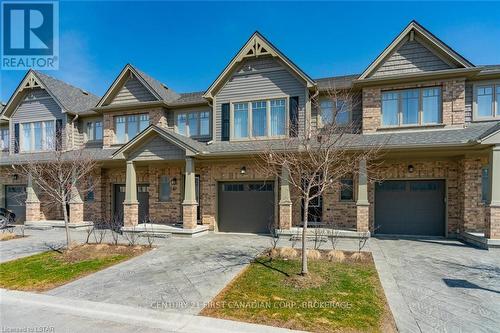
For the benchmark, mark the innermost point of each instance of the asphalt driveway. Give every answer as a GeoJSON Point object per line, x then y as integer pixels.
{"type": "Point", "coordinates": [440, 285]}
{"type": "Point", "coordinates": [178, 275]}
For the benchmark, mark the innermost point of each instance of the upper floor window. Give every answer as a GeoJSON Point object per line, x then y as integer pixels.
{"type": "Point", "coordinates": [335, 111]}
{"type": "Point", "coordinates": [487, 104]}
{"type": "Point", "coordinates": [94, 130]}
{"type": "Point", "coordinates": [127, 127]}
{"type": "Point", "coordinates": [264, 118]}
{"type": "Point", "coordinates": [193, 124]}
{"type": "Point", "coordinates": [38, 136]}
{"type": "Point", "coordinates": [411, 107]}
{"type": "Point", "coordinates": [4, 139]}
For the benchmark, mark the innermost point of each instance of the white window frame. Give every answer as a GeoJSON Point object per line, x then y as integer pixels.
{"type": "Point", "coordinates": [267, 135]}
{"type": "Point", "coordinates": [32, 136]}
{"type": "Point", "coordinates": [495, 107]}
{"type": "Point", "coordinates": [334, 101]}
{"type": "Point", "coordinates": [420, 108]}
{"type": "Point", "coordinates": [5, 143]}
{"type": "Point", "coordinates": [198, 120]}
{"type": "Point", "coordinates": [127, 139]}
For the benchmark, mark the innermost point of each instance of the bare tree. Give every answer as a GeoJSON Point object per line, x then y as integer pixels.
{"type": "Point", "coordinates": [60, 176]}
{"type": "Point", "coordinates": [316, 158]}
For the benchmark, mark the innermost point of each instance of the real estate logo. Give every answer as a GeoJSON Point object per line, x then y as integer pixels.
{"type": "Point", "coordinates": [30, 35]}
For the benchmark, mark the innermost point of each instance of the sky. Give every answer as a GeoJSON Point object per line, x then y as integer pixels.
{"type": "Point", "coordinates": [186, 45]}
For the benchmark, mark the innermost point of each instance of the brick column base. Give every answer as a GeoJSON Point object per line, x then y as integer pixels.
{"type": "Point", "coordinates": [76, 212]}
{"type": "Point", "coordinates": [130, 214]}
{"type": "Point", "coordinates": [189, 216]}
{"type": "Point", "coordinates": [362, 213]}
{"type": "Point", "coordinates": [285, 216]}
{"type": "Point", "coordinates": [492, 222]}
{"type": "Point", "coordinates": [33, 211]}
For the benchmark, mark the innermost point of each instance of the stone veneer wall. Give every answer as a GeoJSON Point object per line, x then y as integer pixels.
{"type": "Point", "coordinates": [453, 102]}
{"type": "Point", "coordinates": [157, 116]}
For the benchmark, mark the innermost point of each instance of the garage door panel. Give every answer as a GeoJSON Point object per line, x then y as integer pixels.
{"type": "Point", "coordinates": [245, 206]}
{"type": "Point", "coordinates": [413, 207]}
{"type": "Point", "coordinates": [15, 201]}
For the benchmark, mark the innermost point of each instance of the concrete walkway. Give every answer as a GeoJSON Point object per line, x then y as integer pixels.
{"type": "Point", "coordinates": [439, 285]}
{"type": "Point", "coordinates": [24, 312]}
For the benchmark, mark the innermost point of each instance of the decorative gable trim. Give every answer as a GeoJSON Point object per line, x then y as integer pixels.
{"type": "Point", "coordinates": [29, 82]}
{"type": "Point", "coordinates": [414, 31]}
{"type": "Point", "coordinates": [151, 131]}
{"type": "Point", "coordinates": [256, 46]}
{"type": "Point", "coordinates": [127, 72]}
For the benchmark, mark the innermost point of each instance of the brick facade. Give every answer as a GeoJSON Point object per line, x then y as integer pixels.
{"type": "Point", "coordinates": [453, 102]}
{"type": "Point", "coordinates": [492, 222]}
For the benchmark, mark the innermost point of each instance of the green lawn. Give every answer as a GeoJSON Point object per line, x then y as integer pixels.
{"type": "Point", "coordinates": [50, 269]}
{"type": "Point", "coordinates": [353, 299]}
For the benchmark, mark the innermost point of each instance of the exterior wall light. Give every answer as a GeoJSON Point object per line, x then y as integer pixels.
{"type": "Point", "coordinates": [411, 168]}
{"type": "Point", "coordinates": [173, 182]}
{"type": "Point", "coordinates": [243, 170]}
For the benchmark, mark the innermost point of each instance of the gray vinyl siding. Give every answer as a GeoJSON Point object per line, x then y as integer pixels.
{"type": "Point", "coordinates": [37, 105]}
{"type": "Point", "coordinates": [411, 57]}
{"type": "Point", "coordinates": [157, 149]}
{"type": "Point", "coordinates": [468, 101]}
{"type": "Point", "coordinates": [133, 91]}
{"type": "Point", "coordinates": [260, 85]}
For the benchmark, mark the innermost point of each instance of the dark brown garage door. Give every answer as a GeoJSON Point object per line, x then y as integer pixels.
{"type": "Point", "coordinates": [246, 206]}
{"type": "Point", "coordinates": [15, 201]}
{"type": "Point", "coordinates": [413, 207]}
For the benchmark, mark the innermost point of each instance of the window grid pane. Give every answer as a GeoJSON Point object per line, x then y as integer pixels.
{"type": "Point", "coordinates": [181, 123]}
{"type": "Point", "coordinates": [278, 117]}
{"type": "Point", "coordinates": [326, 108]}
{"type": "Point", "coordinates": [143, 122]}
{"type": "Point", "coordinates": [38, 137]}
{"type": "Point", "coordinates": [204, 123]}
{"type": "Point", "coordinates": [409, 107]}
{"type": "Point", "coordinates": [240, 120]}
{"type": "Point", "coordinates": [430, 106]}
{"type": "Point", "coordinates": [49, 134]}
{"type": "Point", "coordinates": [390, 109]}
{"type": "Point", "coordinates": [120, 129]}
{"type": "Point", "coordinates": [193, 124]}
{"type": "Point", "coordinates": [132, 127]}
{"type": "Point", "coordinates": [342, 114]}
{"type": "Point", "coordinates": [98, 130]}
{"type": "Point", "coordinates": [259, 118]}
{"type": "Point", "coordinates": [485, 101]}
{"type": "Point", "coordinates": [90, 131]}
{"type": "Point", "coordinates": [4, 139]}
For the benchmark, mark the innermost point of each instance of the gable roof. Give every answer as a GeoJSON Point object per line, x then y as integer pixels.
{"type": "Point", "coordinates": [160, 91]}
{"type": "Point", "coordinates": [257, 45]}
{"type": "Point", "coordinates": [189, 145]}
{"type": "Point", "coordinates": [445, 52]}
{"type": "Point", "coordinates": [71, 99]}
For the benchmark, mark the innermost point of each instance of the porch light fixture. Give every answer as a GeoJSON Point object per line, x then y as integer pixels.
{"type": "Point", "coordinates": [411, 168]}
{"type": "Point", "coordinates": [15, 176]}
{"type": "Point", "coordinates": [173, 182]}
{"type": "Point", "coordinates": [243, 170]}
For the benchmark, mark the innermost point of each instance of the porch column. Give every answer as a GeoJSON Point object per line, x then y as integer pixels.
{"type": "Point", "coordinates": [32, 202]}
{"type": "Point", "coordinates": [75, 205]}
{"type": "Point", "coordinates": [493, 209]}
{"type": "Point", "coordinates": [285, 204]}
{"type": "Point", "coordinates": [189, 205]}
{"type": "Point", "coordinates": [130, 204]}
{"type": "Point", "coordinates": [362, 204]}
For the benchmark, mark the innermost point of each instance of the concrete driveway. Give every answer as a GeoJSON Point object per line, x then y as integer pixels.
{"type": "Point", "coordinates": [440, 285]}
{"type": "Point", "coordinates": [179, 275]}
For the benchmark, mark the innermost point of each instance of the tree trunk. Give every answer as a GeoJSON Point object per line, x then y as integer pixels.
{"type": "Point", "coordinates": [305, 271]}
{"type": "Point", "coordinates": [66, 222]}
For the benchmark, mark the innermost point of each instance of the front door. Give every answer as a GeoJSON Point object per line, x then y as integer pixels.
{"type": "Point", "coordinates": [142, 197]}
{"type": "Point", "coordinates": [15, 201]}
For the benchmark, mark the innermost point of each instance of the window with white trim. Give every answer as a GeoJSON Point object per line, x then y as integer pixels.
{"type": "Point", "coordinates": [411, 107]}
{"type": "Point", "coordinates": [127, 127]}
{"type": "Point", "coordinates": [4, 139]}
{"type": "Point", "coordinates": [338, 109]}
{"type": "Point", "coordinates": [38, 136]}
{"type": "Point", "coordinates": [93, 130]}
{"type": "Point", "coordinates": [259, 119]}
{"type": "Point", "coordinates": [193, 124]}
{"type": "Point", "coordinates": [487, 101]}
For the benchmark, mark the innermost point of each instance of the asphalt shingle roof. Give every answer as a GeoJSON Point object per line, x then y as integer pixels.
{"type": "Point", "coordinates": [73, 99]}
{"type": "Point", "coordinates": [336, 82]}
{"type": "Point", "coordinates": [189, 99]}
{"type": "Point", "coordinates": [162, 90]}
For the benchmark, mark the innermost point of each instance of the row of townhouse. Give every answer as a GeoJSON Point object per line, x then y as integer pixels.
{"type": "Point", "coordinates": [190, 157]}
